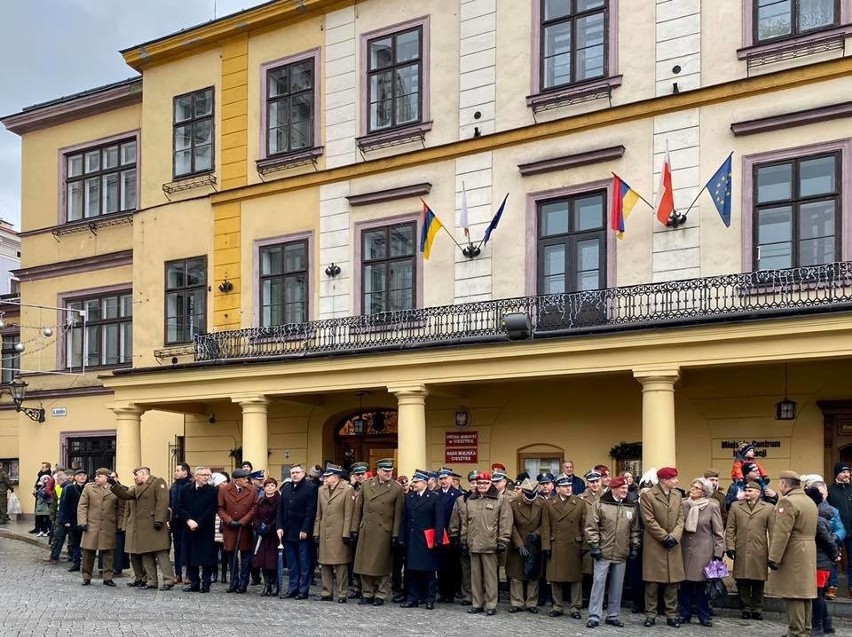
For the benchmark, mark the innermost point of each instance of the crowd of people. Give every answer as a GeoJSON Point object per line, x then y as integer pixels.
{"type": "Point", "coordinates": [381, 538]}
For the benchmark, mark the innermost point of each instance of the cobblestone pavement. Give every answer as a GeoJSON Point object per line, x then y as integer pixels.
{"type": "Point", "coordinates": [38, 599]}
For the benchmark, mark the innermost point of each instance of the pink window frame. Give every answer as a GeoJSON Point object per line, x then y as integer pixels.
{"type": "Point", "coordinates": [317, 123]}
{"type": "Point", "coordinates": [531, 255]}
{"type": "Point", "coordinates": [363, 82]}
{"type": "Point", "coordinates": [360, 226]}
{"type": "Point", "coordinates": [535, 58]}
{"type": "Point", "coordinates": [255, 274]}
{"type": "Point", "coordinates": [748, 26]}
{"type": "Point", "coordinates": [746, 204]}
{"type": "Point", "coordinates": [62, 213]}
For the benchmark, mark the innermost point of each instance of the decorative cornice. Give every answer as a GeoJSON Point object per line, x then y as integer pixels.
{"type": "Point", "coordinates": [571, 161]}
{"type": "Point", "coordinates": [391, 194]}
{"type": "Point", "coordinates": [75, 266]}
{"type": "Point", "coordinates": [790, 120]}
{"type": "Point", "coordinates": [73, 107]}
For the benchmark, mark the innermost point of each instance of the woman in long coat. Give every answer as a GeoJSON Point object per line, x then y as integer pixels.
{"type": "Point", "coordinates": [266, 546]}
{"type": "Point", "coordinates": [703, 541]}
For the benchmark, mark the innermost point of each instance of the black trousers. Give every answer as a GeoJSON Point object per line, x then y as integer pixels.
{"type": "Point", "coordinates": [421, 586]}
{"type": "Point", "coordinates": [449, 572]}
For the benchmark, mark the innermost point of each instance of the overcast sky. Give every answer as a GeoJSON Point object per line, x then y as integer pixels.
{"type": "Point", "coordinates": [51, 48]}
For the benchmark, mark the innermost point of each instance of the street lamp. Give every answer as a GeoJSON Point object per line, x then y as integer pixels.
{"type": "Point", "coordinates": [18, 391]}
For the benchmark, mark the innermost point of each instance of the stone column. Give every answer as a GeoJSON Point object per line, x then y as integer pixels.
{"type": "Point", "coordinates": [658, 416]}
{"type": "Point", "coordinates": [255, 430]}
{"type": "Point", "coordinates": [128, 441]}
{"type": "Point", "coordinates": [411, 428]}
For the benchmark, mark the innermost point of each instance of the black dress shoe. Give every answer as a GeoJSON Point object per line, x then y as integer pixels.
{"type": "Point", "coordinates": [614, 622]}
{"type": "Point", "coordinates": [364, 601]}
{"type": "Point", "coordinates": [134, 584]}
{"type": "Point", "coordinates": [324, 598]}
{"type": "Point", "coordinates": [397, 599]}
{"type": "Point", "coordinates": [408, 604]}
{"type": "Point", "coordinates": [355, 595]}
{"type": "Point", "coordinates": [533, 610]}
{"type": "Point", "coordinates": [515, 609]}
{"type": "Point", "coordinates": [491, 611]}
{"type": "Point", "coordinates": [473, 610]}
{"type": "Point", "coordinates": [555, 613]}
{"type": "Point", "coordinates": [302, 596]}
{"type": "Point", "coordinates": [673, 623]}
{"type": "Point", "coordinates": [167, 587]}
{"type": "Point", "coordinates": [74, 569]}
{"type": "Point", "coordinates": [707, 623]}
{"type": "Point", "coordinates": [592, 623]}
{"type": "Point", "coordinates": [684, 620]}
{"type": "Point", "coordinates": [576, 615]}
{"type": "Point", "coordinates": [649, 621]}
{"type": "Point", "coordinates": [341, 600]}
{"type": "Point", "coordinates": [292, 594]}
{"type": "Point", "coordinates": [430, 605]}
{"type": "Point", "coordinates": [378, 602]}
{"type": "Point", "coordinates": [205, 589]}
{"type": "Point", "coordinates": [108, 582]}
{"type": "Point", "coordinates": [147, 587]}
{"type": "Point", "coordinates": [757, 616]}
{"type": "Point", "coordinates": [746, 614]}
{"type": "Point", "coordinates": [190, 589]}
{"type": "Point", "coordinates": [86, 582]}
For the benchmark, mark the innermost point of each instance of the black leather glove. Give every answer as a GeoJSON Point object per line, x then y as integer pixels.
{"type": "Point", "coordinates": [347, 541]}
{"type": "Point", "coordinates": [316, 540]}
{"type": "Point", "coordinates": [532, 538]}
{"type": "Point", "coordinates": [234, 524]}
{"type": "Point", "coordinates": [394, 541]}
{"type": "Point", "coordinates": [465, 549]}
{"type": "Point", "coordinates": [634, 554]}
{"type": "Point", "coordinates": [158, 526]}
{"type": "Point", "coordinates": [546, 553]}
{"type": "Point", "coordinates": [773, 565]}
{"type": "Point", "coordinates": [82, 528]}
{"type": "Point", "coordinates": [524, 551]}
{"type": "Point", "coordinates": [454, 540]}
{"type": "Point", "coordinates": [732, 554]}
{"type": "Point", "coordinates": [596, 553]}
{"type": "Point", "coordinates": [669, 542]}
{"type": "Point", "coordinates": [353, 536]}
{"type": "Point", "coordinates": [500, 548]}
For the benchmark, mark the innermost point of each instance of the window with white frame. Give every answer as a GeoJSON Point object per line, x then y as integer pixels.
{"type": "Point", "coordinates": [101, 180]}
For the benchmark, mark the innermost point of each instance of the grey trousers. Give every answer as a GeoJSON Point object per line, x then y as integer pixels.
{"type": "Point", "coordinates": [616, 572]}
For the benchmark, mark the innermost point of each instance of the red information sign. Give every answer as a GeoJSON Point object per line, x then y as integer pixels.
{"type": "Point", "coordinates": [461, 447]}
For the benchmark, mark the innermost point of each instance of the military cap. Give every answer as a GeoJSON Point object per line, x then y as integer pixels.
{"type": "Point", "coordinates": [432, 475]}
{"type": "Point", "coordinates": [618, 481]}
{"type": "Point", "coordinates": [666, 473]}
{"type": "Point", "coordinates": [240, 473]}
{"type": "Point", "coordinates": [498, 467]}
{"type": "Point", "coordinates": [260, 474]}
{"type": "Point", "coordinates": [529, 485]}
{"type": "Point", "coordinates": [80, 471]}
{"type": "Point", "coordinates": [602, 469]}
{"type": "Point", "coordinates": [484, 475]}
{"type": "Point", "coordinates": [446, 471]}
{"type": "Point", "coordinates": [358, 468]}
{"type": "Point", "coordinates": [138, 469]}
{"type": "Point", "coordinates": [711, 473]}
{"type": "Point", "coordinates": [420, 474]}
{"type": "Point", "coordinates": [385, 464]}
{"type": "Point", "coordinates": [332, 470]}
{"type": "Point", "coordinates": [102, 472]}
{"type": "Point", "coordinates": [544, 478]}
{"type": "Point", "coordinates": [789, 474]}
{"type": "Point", "coordinates": [753, 485]}
{"type": "Point", "coordinates": [562, 480]}
{"type": "Point", "coordinates": [590, 475]}
{"type": "Point", "coordinates": [471, 475]}
{"type": "Point", "coordinates": [499, 475]}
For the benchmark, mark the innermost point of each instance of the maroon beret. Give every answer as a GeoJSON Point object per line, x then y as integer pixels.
{"type": "Point", "coordinates": [618, 481]}
{"type": "Point", "coordinates": [666, 473]}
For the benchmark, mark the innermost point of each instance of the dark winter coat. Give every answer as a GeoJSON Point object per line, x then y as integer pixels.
{"type": "Point", "coordinates": [174, 494]}
{"type": "Point", "coordinates": [840, 497]}
{"type": "Point", "coordinates": [421, 512]}
{"type": "Point", "coordinates": [297, 509]}
{"type": "Point", "coordinates": [199, 505]}
{"type": "Point", "coordinates": [67, 511]}
{"type": "Point", "coordinates": [826, 548]}
{"type": "Point", "coordinates": [448, 501]}
{"type": "Point", "coordinates": [266, 543]}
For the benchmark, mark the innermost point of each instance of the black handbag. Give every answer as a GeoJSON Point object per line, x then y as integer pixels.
{"type": "Point", "coordinates": [532, 563]}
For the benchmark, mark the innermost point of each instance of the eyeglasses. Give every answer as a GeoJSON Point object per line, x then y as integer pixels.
{"type": "Point", "coordinates": [203, 475]}
{"type": "Point", "coordinates": [481, 482]}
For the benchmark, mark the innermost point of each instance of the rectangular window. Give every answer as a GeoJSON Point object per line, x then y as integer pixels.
{"type": "Point", "coordinates": [11, 357]}
{"type": "Point", "coordinates": [100, 180]}
{"type": "Point", "coordinates": [186, 299]}
{"type": "Point", "coordinates": [388, 268]}
{"type": "Point", "coordinates": [573, 41]}
{"type": "Point", "coordinates": [776, 19]}
{"type": "Point", "coordinates": [572, 243]}
{"type": "Point", "coordinates": [193, 133]}
{"type": "Point", "coordinates": [290, 107]}
{"type": "Point", "coordinates": [284, 283]}
{"type": "Point", "coordinates": [395, 79]}
{"type": "Point", "coordinates": [107, 338]}
{"type": "Point", "coordinates": [797, 211]}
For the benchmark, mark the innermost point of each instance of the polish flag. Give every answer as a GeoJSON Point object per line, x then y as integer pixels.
{"type": "Point", "coordinates": [665, 195]}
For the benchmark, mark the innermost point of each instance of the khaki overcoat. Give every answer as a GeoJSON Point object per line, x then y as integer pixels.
{"type": "Point", "coordinates": [487, 522]}
{"type": "Point", "coordinates": [662, 515]}
{"type": "Point", "coordinates": [526, 518]}
{"type": "Point", "coordinates": [146, 504]}
{"type": "Point", "coordinates": [240, 505]}
{"type": "Point", "coordinates": [748, 532]}
{"type": "Point", "coordinates": [614, 527]}
{"type": "Point", "coordinates": [793, 547]}
{"type": "Point", "coordinates": [562, 533]}
{"type": "Point", "coordinates": [335, 508]}
{"type": "Point", "coordinates": [376, 518]}
{"type": "Point", "coordinates": [98, 509]}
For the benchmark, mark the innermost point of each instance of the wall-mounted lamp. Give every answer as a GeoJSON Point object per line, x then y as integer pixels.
{"type": "Point", "coordinates": [333, 270]}
{"type": "Point", "coordinates": [18, 390]}
{"type": "Point", "coordinates": [226, 286]}
{"type": "Point", "coordinates": [785, 409]}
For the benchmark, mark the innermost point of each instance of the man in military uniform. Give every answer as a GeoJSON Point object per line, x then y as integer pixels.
{"type": "Point", "coordinates": [375, 523]}
{"type": "Point", "coordinates": [527, 512]}
{"type": "Point", "coordinates": [747, 533]}
{"type": "Point", "coordinates": [562, 533]}
{"type": "Point", "coordinates": [5, 486]}
{"type": "Point", "coordinates": [594, 487]}
{"type": "Point", "coordinates": [545, 485]}
{"type": "Point", "coordinates": [357, 476]}
{"type": "Point", "coordinates": [332, 531]}
{"type": "Point", "coordinates": [237, 503]}
{"type": "Point", "coordinates": [662, 558]}
{"type": "Point", "coordinates": [455, 537]}
{"type": "Point", "coordinates": [712, 476]}
{"type": "Point", "coordinates": [449, 565]}
{"type": "Point", "coordinates": [147, 536]}
{"type": "Point", "coordinates": [97, 518]}
{"type": "Point", "coordinates": [792, 554]}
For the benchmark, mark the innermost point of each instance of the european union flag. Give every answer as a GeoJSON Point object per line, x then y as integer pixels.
{"type": "Point", "coordinates": [719, 188]}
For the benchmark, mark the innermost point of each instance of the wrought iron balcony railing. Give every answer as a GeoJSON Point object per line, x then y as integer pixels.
{"type": "Point", "coordinates": [752, 295]}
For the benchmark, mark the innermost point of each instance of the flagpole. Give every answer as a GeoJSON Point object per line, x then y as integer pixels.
{"type": "Point", "coordinates": [694, 200]}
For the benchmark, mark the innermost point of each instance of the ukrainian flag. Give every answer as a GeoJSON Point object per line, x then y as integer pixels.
{"type": "Point", "coordinates": [623, 200]}
{"type": "Point", "coordinates": [431, 227]}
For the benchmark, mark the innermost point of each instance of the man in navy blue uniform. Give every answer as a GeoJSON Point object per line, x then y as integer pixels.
{"type": "Point", "coordinates": [423, 513]}
{"type": "Point", "coordinates": [297, 511]}
{"type": "Point", "coordinates": [449, 565]}
{"type": "Point", "coordinates": [198, 501]}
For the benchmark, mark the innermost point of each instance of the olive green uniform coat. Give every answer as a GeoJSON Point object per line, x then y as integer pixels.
{"type": "Point", "coordinates": [335, 508]}
{"type": "Point", "coordinates": [793, 547]}
{"type": "Point", "coordinates": [99, 510]}
{"type": "Point", "coordinates": [562, 533]}
{"type": "Point", "coordinates": [376, 518]}
{"type": "Point", "coordinates": [146, 504]}
{"type": "Point", "coordinates": [661, 516]}
{"type": "Point", "coordinates": [527, 517]}
{"type": "Point", "coordinates": [748, 532]}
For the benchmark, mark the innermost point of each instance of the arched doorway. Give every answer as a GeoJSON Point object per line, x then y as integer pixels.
{"type": "Point", "coordinates": [366, 437]}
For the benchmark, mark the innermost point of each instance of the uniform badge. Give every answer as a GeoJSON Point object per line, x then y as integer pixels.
{"type": "Point", "coordinates": [629, 515]}
{"type": "Point", "coordinates": [781, 510]}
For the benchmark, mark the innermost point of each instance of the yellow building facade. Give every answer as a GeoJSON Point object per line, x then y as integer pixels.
{"type": "Point", "coordinates": [231, 242]}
